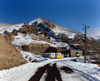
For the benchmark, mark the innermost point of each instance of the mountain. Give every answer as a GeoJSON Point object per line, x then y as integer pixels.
{"type": "Point", "coordinates": [43, 31]}
{"type": "Point", "coordinates": [42, 36]}
{"type": "Point", "coordinates": [94, 33]}
{"type": "Point", "coordinates": [53, 30]}
{"type": "Point", "coordinates": [4, 24]}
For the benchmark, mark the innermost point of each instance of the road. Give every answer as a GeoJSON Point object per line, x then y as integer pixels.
{"type": "Point", "coordinates": [52, 72]}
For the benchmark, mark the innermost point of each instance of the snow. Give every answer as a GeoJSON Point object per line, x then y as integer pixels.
{"type": "Point", "coordinates": [71, 76]}
{"type": "Point", "coordinates": [90, 69]}
{"type": "Point", "coordinates": [10, 28]}
{"type": "Point", "coordinates": [22, 39]}
{"type": "Point", "coordinates": [94, 33]}
{"type": "Point", "coordinates": [43, 76]}
{"type": "Point", "coordinates": [58, 30]}
{"type": "Point", "coordinates": [17, 26]}
{"type": "Point", "coordinates": [59, 44]}
{"type": "Point", "coordinates": [25, 71]}
{"type": "Point", "coordinates": [28, 55]}
{"type": "Point", "coordinates": [39, 20]}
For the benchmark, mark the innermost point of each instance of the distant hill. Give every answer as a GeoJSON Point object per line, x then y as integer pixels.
{"type": "Point", "coordinates": [94, 33]}
{"type": "Point", "coordinates": [4, 24]}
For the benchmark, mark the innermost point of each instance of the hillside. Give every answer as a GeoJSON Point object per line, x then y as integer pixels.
{"type": "Point", "coordinates": [42, 36]}
{"type": "Point", "coordinates": [4, 24]}
{"type": "Point", "coordinates": [94, 33]}
{"type": "Point", "coordinates": [42, 31]}
{"type": "Point", "coordinates": [9, 55]}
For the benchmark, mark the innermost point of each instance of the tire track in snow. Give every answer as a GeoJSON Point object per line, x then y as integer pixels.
{"type": "Point", "coordinates": [51, 71]}
{"type": "Point", "coordinates": [88, 77]}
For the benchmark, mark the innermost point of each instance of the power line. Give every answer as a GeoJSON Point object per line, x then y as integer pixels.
{"type": "Point", "coordinates": [92, 15]}
{"type": "Point", "coordinates": [94, 19]}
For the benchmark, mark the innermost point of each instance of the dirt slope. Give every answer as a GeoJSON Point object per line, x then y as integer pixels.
{"type": "Point", "coordinates": [9, 55]}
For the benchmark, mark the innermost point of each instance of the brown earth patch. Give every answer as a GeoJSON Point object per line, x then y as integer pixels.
{"type": "Point", "coordinates": [67, 69]}
{"type": "Point", "coordinates": [53, 73]}
{"type": "Point", "coordinates": [98, 65]}
{"type": "Point", "coordinates": [39, 73]}
{"type": "Point", "coordinates": [9, 55]}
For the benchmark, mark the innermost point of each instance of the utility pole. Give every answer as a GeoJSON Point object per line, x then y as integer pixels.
{"type": "Point", "coordinates": [85, 43]}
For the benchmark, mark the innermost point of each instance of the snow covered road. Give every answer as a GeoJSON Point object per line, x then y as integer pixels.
{"type": "Point", "coordinates": [82, 71]}
{"type": "Point", "coordinates": [54, 73]}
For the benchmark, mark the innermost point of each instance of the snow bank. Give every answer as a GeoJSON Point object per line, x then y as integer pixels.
{"type": "Point", "coordinates": [28, 55]}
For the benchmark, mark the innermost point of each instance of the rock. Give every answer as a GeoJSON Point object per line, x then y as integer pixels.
{"type": "Point", "coordinates": [15, 32]}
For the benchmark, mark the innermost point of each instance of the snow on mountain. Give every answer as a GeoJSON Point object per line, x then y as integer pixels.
{"type": "Point", "coordinates": [39, 20]}
{"type": "Point", "coordinates": [22, 39]}
{"type": "Point", "coordinates": [27, 70]}
{"type": "Point", "coordinates": [4, 24]}
{"type": "Point", "coordinates": [94, 33]}
{"type": "Point", "coordinates": [10, 28]}
{"type": "Point", "coordinates": [25, 40]}
{"type": "Point", "coordinates": [57, 29]}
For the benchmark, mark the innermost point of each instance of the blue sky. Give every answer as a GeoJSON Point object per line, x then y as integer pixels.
{"type": "Point", "coordinates": [67, 13]}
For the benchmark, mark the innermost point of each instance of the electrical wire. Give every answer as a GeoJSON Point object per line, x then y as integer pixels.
{"type": "Point", "coordinates": [93, 19]}
{"type": "Point", "coordinates": [92, 15]}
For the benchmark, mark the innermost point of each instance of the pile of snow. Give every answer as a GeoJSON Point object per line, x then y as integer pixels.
{"type": "Point", "coordinates": [21, 73]}
{"type": "Point", "coordinates": [31, 56]}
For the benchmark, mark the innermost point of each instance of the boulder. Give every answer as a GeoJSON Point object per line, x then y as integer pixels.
{"type": "Point", "coordinates": [15, 32]}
